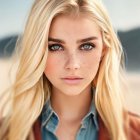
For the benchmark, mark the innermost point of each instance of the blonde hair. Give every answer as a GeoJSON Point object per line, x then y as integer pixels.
{"type": "Point", "coordinates": [31, 88]}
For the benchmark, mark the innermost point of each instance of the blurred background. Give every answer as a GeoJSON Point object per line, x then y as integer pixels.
{"type": "Point", "coordinates": [126, 21]}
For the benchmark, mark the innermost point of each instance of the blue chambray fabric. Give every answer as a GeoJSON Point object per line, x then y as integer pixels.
{"type": "Point", "coordinates": [49, 121]}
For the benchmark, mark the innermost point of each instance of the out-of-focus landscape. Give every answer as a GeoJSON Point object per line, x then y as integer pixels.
{"type": "Point", "coordinates": [13, 15]}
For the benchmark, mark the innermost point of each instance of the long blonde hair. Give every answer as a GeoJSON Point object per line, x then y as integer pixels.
{"type": "Point", "coordinates": [31, 88]}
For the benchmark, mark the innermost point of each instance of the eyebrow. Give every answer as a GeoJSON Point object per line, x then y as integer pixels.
{"type": "Point", "coordinates": [78, 41]}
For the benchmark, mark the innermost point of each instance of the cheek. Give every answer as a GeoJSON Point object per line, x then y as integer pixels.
{"type": "Point", "coordinates": [54, 64]}
{"type": "Point", "coordinates": [94, 59]}
{"type": "Point", "coordinates": [51, 66]}
{"type": "Point", "coordinates": [93, 62]}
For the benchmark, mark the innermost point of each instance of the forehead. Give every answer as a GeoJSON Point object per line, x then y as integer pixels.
{"type": "Point", "coordinates": [67, 25]}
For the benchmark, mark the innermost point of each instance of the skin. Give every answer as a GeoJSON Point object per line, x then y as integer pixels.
{"type": "Point", "coordinates": [71, 101]}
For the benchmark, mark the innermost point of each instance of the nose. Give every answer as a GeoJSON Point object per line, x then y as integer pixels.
{"type": "Point", "coordinates": [72, 62]}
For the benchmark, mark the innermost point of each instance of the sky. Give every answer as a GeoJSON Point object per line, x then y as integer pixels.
{"type": "Point", "coordinates": [124, 13]}
{"type": "Point", "coordinates": [13, 14]}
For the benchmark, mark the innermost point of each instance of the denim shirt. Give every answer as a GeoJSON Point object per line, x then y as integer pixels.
{"type": "Point", "coordinates": [49, 122]}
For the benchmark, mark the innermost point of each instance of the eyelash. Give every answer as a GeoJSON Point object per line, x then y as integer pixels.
{"type": "Point", "coordinates": [60, 47]}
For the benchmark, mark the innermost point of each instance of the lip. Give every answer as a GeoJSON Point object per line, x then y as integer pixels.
{"type": "Point", "coordinates": [72, 80]}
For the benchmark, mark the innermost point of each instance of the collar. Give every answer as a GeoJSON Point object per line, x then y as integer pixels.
{"type": "Point", "coordinates": [47, 112]}
{"type": "Point", "coordinates": [92, 113]}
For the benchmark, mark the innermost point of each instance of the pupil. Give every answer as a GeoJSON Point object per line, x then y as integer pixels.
{"type": "Point", "coordinates": [56, 47]}
{"type": "Point", "coordinates": [86, 46]}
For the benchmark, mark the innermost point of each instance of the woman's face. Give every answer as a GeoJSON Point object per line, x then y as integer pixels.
{"type": "Point", "coordinates": [75, 48]}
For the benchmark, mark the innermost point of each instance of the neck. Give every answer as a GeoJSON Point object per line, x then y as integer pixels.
{"type": "Point", "coordinates": [71, 108]}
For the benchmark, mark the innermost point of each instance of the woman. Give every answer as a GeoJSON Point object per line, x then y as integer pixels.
{"type": "Point", "coordinates": [69, 79]}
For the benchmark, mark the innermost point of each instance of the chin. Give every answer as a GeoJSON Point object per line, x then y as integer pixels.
{"type": "Point", "coordinates": [71, 92]}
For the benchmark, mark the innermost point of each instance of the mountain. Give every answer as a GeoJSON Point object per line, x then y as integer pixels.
{"type": "Point", "coordinates": [7, 45]}
{"type": "Point", "coordinates": [130, 41]}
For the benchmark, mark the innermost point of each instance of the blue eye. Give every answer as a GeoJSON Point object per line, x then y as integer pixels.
{"type": "Point", "coordinates": [55, 47]}
{"type": "Point", "coordinates": [87, 46]}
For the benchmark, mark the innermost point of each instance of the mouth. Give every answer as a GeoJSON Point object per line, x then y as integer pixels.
{"type": "Point", "coordinates": [72, 80]}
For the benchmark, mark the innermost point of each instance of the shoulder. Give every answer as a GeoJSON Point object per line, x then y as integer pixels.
{"type": "Point", "coordinates": [134, 118]}
{"type": "Point", "coordinates": [132, 125]}
{"type": "Point", "coordinates": [134, 121]}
